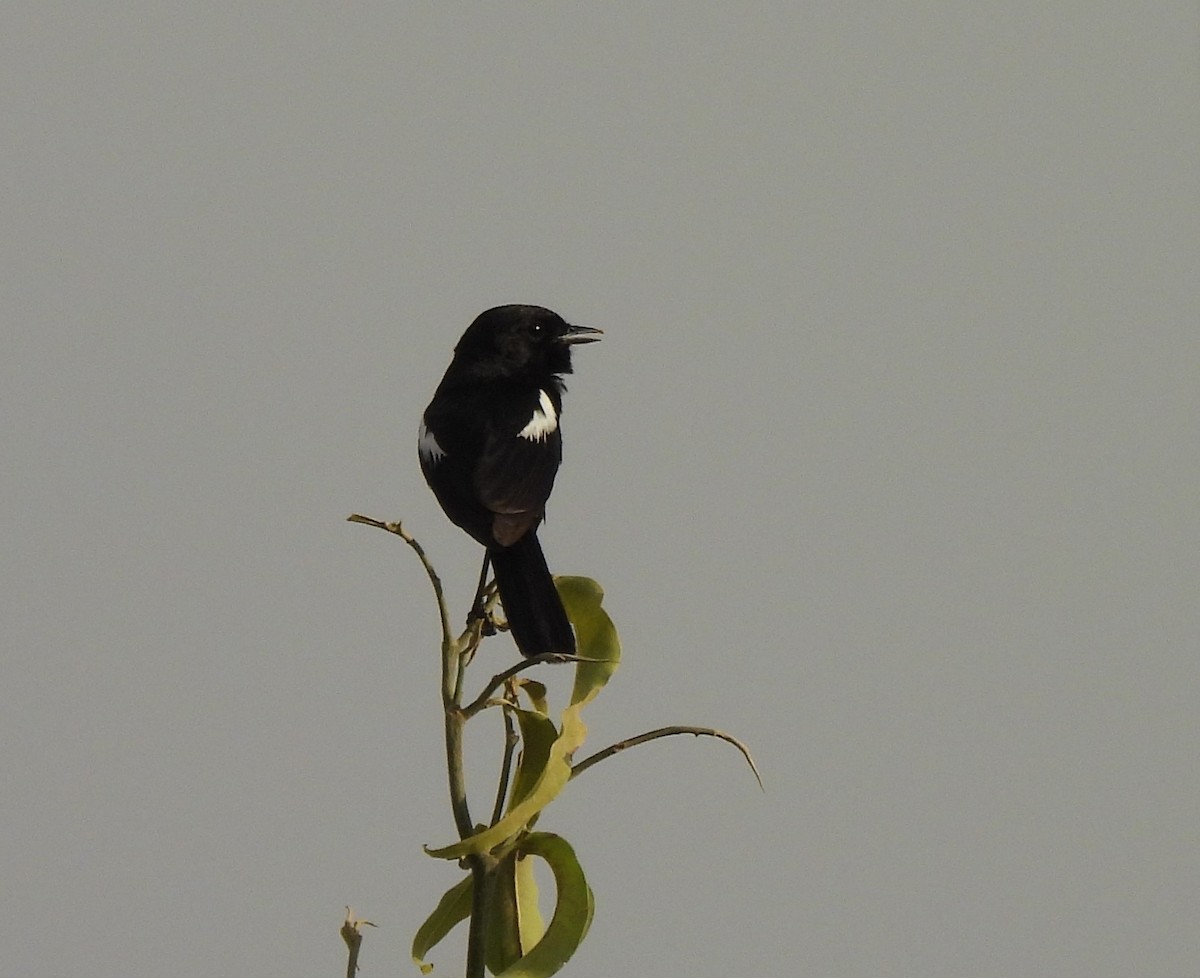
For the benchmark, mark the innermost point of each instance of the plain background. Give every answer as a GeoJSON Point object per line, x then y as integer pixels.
{"type": "Point", "coordinates": [888, 463]}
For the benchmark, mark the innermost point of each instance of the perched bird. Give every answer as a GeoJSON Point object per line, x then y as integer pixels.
{"type": "Point", "coordinates": [490, 445]}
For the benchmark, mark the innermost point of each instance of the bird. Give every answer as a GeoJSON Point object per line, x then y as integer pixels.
{"type": "Point", "coordinates": [490, 443]}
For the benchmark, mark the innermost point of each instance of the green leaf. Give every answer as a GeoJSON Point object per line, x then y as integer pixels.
{"type": "Point", "coordinates": [538, 734]}
{"type": "Point", "coordinates": [573, 909]}
{"type": "Point", "coordinates": [455, 905]}
{"type": "Point", "coordinates": [515, 921]}
{"type": "Point", "coordinates": [553, 778]}
{"type": "Point", "coordinates": [598, 639]}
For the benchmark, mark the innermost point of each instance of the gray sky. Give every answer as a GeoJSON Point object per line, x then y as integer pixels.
{"type": "Point", "coordinates": [888, 464]}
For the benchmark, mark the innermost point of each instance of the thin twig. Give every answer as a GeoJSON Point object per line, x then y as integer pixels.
{"type": "Point", "coordinates": [481, 701]}
{"type": "Point", "coordinates": [452, 668]}
{"type": "Point", "coordinates": [434, 579]}
{"type": "Point", "coordinates": [510, 748]}
{"type": "Point", "coordinates": [468, 645]}
{"type": "Point", "coordinates": [621, 745]}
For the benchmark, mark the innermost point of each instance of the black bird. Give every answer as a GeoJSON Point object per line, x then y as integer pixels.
{"type": "Point", "coordinates": [490, 445]}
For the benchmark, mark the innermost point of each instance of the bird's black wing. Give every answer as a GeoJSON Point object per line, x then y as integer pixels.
{"type": "Point", "coordinates": [515, 473]}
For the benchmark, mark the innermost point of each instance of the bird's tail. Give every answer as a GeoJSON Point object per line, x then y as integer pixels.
{"type": "Point", "coordinates": [531, 603]}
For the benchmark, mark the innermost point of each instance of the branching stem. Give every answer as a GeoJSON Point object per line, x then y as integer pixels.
{"type": "Point", "coordinates": [457, 654]}
{"type": "Point", "coordinates": [484, 699]}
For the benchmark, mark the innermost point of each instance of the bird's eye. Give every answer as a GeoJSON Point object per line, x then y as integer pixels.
{"type": "Point", "coordinates": [536, 329]}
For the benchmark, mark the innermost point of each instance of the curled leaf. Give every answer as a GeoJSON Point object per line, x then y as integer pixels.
{"type": "Point", "coordinates": [573, 909]}
{"type": "Point", "coordinates": [538, 734]}
{"type": "Point", "coordinates": [515, 923]}
{"type": "Point", "coordinates": [597, 636]}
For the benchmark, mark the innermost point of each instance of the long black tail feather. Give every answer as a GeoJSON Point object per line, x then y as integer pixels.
{"type": "Point", "coordinates": [531, 603]}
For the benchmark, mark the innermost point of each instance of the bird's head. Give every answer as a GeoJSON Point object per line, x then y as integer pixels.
{"type": "Point", "coordinates": [520, 342]}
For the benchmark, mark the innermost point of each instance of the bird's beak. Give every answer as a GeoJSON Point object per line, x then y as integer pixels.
{"type": "Point", "coordinates": [580, 334]}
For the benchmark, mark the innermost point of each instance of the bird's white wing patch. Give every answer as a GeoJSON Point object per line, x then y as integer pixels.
{"type": "Point", "coordinates": [428, 447]}
{"type": "Point", "coordinates": [543, 422]}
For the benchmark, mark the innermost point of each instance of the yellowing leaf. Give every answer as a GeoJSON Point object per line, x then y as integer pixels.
{"type": "Point", "coordinates": [596, 634]}
{"type": "Point", "coordinates": [553, 778]}
{"type": "Point", "coordinates": [537, 694]}
{"type": "Point", "coordinates": [538, 734]}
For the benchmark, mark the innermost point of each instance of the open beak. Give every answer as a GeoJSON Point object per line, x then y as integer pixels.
{"type": "Point", "coordinates": [580, 334]}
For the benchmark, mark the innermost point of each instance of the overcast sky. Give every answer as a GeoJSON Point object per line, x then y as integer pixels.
{"type": "Point", "coordinates": [888, 463]}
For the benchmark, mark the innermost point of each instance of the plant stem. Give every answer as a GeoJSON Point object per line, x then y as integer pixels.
{"type": "Point", "coordinates": [455, 722]}
{"type": "Point", "coordinates": [483, 874]}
